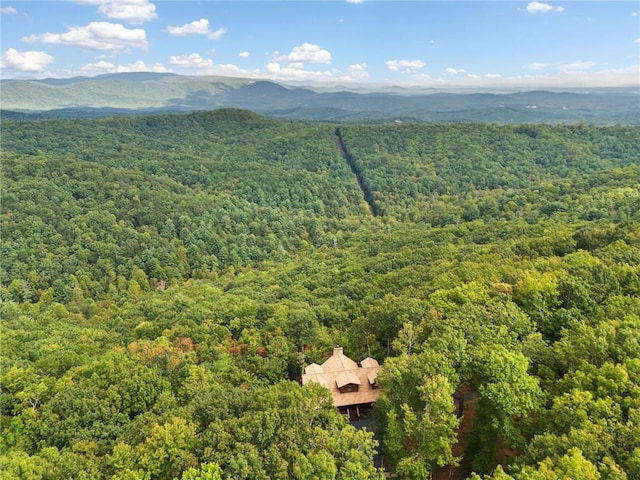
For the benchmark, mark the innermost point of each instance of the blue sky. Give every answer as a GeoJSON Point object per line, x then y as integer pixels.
{"type": "Point", "coordinates": [426, 43]}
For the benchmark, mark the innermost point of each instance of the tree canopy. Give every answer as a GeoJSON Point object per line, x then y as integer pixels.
{"type": "Point", "coordinates": [164, 280]}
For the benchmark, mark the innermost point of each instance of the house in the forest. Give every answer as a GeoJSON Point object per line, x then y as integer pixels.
{"type": "Point", "coordinates": [352, 386]}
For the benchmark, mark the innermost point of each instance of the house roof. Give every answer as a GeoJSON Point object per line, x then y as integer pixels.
{"type": "Point", "coordinates": [347, 378]}
{"type": "Point", "coordinates": [369, 363]}
{"type": "Point", "coordinates": [338, 371]}
{"type": "Point", "coordinates": [313, 368]}
{"type": "Point", "coordinates": [338, 362]}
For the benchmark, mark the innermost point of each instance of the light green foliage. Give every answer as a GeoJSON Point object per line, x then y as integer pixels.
{"type": "Point", "coordinates": [420, 423]}
{"type": "Point", "coordinates": [570, 467]}
{"type": "Point", "coordinates": [48, 463]}
{"type": "Point", "coordinates": [597, 413]}
{"type": "Point", "coordinates": [505, 387]}
{"type": "Point", "coordinates": [169, 450]}
{"type": "Point", "coordinates": [507, 395]}
{"type": "Point", "coordinates": [573, 465]}
{"type": "Point", "coordinates": [207, 471]}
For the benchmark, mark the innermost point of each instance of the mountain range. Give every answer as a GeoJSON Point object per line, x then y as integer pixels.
{"type": "Point", "coordinates": [144, 93]}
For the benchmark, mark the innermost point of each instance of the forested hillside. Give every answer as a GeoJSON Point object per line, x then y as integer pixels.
{"type": "Point", "coordinates": [165, 278]}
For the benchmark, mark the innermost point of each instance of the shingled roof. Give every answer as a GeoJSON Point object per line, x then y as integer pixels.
{"type": "Point", "coordinates": [340, 371]}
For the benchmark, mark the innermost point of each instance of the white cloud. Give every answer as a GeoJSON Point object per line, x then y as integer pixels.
{"type": "Point", "coordinates": [355, 1]}
{"type": "Point", "coordinates": [273, 67]}
{"type": "Point", "coordinates": [132, 11]}
{"type": "Point", "coordinates": [217, 35]}
{"type": "Point", "coordinates": [537, 66]}
{"type": "Point", "coordinates": [288, 73]}
{"type": "Point", "coordinates": [103, 66]}
{"type": "Point", "coordinates": [634, 14]}
{"type": "Point", "coordinates": [453, 71]}
{"type": "Point", "coordinates": [358, 70]}
{"type": "Point", "coordinates": [95, 36]}
{"type": "Point", "coordinates": [244, 54]}
{"type": "Point", "coordinates": [29, 61]}
{"type": "Point", "coordinates": [565, 67]}
{"type": "Point", "coordinates": [197, 27]}
{"type": "Point", "coordinates": [355, 72]}
{"type": "Point", "coordinates": [195, 64]}
{"type": "Point", "coordinates": [573, 66]}
{"type": "Point", "coordinates": [135, 14]}
{"type": "Point", "coordinates": [140, 66]}
{"type": "Point", "coordinates": [191, 61]}
{"type": "Point", "coordinates": [407, 66]}
{"type": "Point", "coordinates": [539, 7]}
{"type": "Point", "coordinates": [227, 69]}
{"type": "Point", "coordinates": [423, 77]}
{"type": "Point", "coordinates": [637, 40]}
{"type": "Point", "coordinates": [556, 78]}
{"type": "Point", "coordinates": [295, 64]}
{"type": "Point", "coordinates": [305, 53]}
{"type": "Point", "coordinates": [8, 10]}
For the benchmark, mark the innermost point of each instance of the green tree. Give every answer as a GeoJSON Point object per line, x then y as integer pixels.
{"type": "Point", "coordinates": [419, 416]}
{"type": "Point", "coordinates": [508, 394]}
{"type": "Point", "coordinates": [207, 471]}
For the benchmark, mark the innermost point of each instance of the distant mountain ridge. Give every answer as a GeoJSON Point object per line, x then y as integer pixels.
{"type": "Point", "coordinates": [147, 92]}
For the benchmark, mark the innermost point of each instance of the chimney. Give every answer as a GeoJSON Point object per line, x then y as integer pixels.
{"type": "Point", "coordinates": [337, 350]}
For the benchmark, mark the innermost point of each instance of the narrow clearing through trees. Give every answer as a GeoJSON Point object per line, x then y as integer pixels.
{"type": "Point", "coordinates": [366, 191]}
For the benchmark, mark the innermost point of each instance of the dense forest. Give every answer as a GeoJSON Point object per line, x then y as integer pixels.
{"type": "Point", "coordinates": [165, 278]}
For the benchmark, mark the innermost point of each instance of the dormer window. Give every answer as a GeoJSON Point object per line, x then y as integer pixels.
{"type": "Point", "coordinates": [351, 387]}
{"type": "Point", "coordinates": [372, 379]}
{"type": "Point", "coordinates": [347, 382]}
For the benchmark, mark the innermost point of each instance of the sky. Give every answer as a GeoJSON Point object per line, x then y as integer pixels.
{"type": "Point", "coordinates": [422, 43]}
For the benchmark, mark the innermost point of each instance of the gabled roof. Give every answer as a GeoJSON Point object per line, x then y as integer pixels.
{"type": "Point", "coordinates": [313, 368]}
{"type": "Point", "coordinates": [338, 371]}
{"type": "Point", "coordinates": [369, 363]}
{"type": "Point", "coordinates": [346, 378]}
